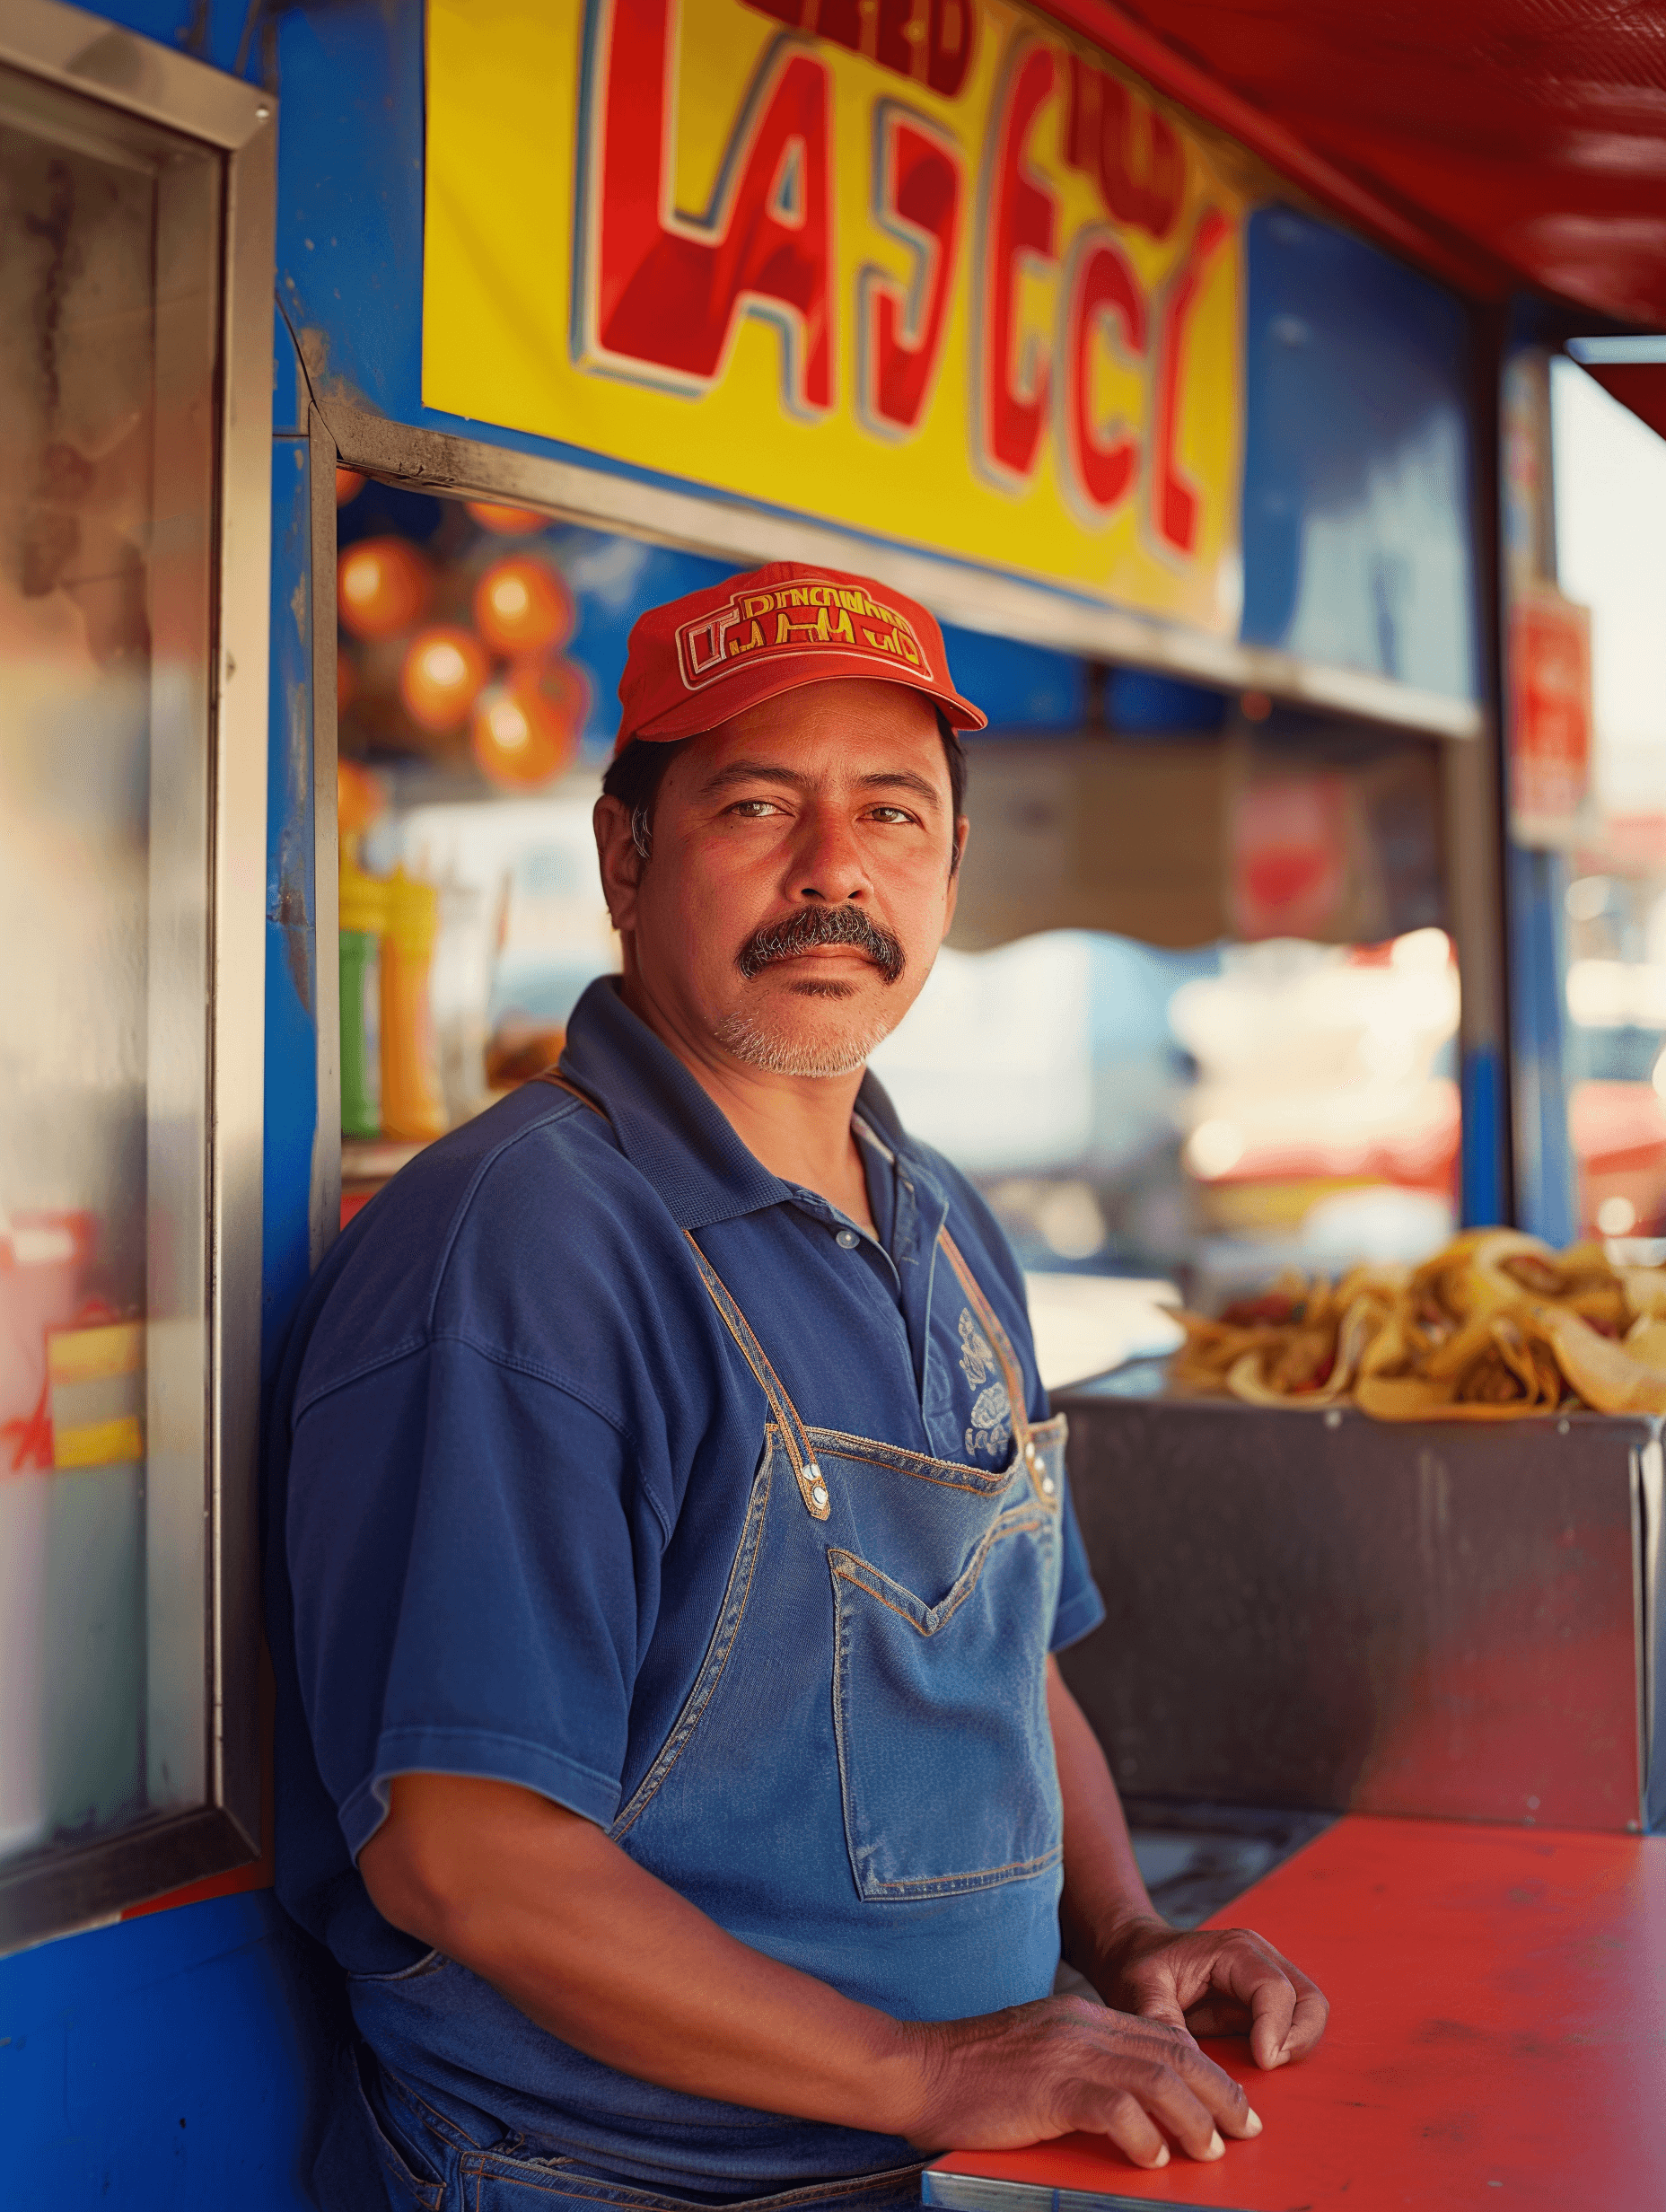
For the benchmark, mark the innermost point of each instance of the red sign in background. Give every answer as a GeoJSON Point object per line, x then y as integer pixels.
{"type": "Point", "coordinates": [1550, 715]}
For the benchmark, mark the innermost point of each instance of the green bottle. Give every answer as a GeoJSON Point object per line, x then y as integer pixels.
{"type": "Point", "coordinates": [364, 925]}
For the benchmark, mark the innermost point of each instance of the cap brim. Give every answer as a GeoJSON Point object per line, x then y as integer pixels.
{"type": "Point", "coordinates": [733, 694]}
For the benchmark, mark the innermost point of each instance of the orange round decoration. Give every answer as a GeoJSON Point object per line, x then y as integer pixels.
{"type": "Point", "coordinates": [383, 586]}
{"type": "Point", "coordinates": [506, 522]}
{"type": "Point", "coordinates": [523, 605]}
{"type": "Point", "coordinates": [441, 677]}
{"type": "Point", "coordinates": [359, 797]}
{"type": "Point", "coordinates": [349, 483]}
{"type": "Point", "coordinates": [518, 739]}
{"type": "Point", "coordinates": [559, 682]}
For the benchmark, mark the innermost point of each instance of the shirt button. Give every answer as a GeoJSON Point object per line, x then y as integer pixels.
{"type": "Point", "coordinates": [848, 1239]}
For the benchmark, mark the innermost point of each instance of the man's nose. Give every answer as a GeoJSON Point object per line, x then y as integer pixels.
{"type": "Point", "coordinates": [829, 864]}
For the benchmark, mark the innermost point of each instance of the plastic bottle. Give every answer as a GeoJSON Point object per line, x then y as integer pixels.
{"type": "Point", "coordinates": [413, 1106]}
{"type": "Point", "coordinates": [364, 922]}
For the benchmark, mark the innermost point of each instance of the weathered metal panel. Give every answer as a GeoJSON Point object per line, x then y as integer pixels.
{"type": "Point", "coordinates": [1437, 1619]}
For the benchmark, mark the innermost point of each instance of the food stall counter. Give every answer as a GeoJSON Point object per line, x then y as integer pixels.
{"type": "Point", "coordinates": [1498, 2013]}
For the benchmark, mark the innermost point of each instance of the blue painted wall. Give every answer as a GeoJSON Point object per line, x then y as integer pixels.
{"type": "Point", "coordinates": [291, 904]}
{"type": "Point", "coordinates": [168, 2064]}
{"type": "Point", "coordinates": [1357, 528]}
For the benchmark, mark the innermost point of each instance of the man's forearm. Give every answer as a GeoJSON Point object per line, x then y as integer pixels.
{"type": "Point", "coordinates": [1104, 1890]}
{"type": "Point", "coordinates": [627, 1971]}
{"type": "Point", "coordinates": [594, 1949]}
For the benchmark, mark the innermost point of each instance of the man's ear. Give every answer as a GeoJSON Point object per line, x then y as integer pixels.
{"type": "Point", "coordinates": [620, 861]}
{"type": "Point", "coordinates": [962, 829]}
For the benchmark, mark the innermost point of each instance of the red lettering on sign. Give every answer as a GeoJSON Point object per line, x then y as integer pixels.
{"type": "Point", "coordinates": [929, 41]}
{"type": "Point", "coordinates": [951, 30]}
{"type": "Point", "coordinates": [1013, 401]}
{"type": "Point", "coordinates": [1131, 151]}
{"type": "Point", "coordinates": [918, 199]}
{"type": "Point", "coordinates": [665, 293]}
{"type": "Point", "coordinates": [1103, 299]}
{"type": "Point", "coordinates": [1174, 503]}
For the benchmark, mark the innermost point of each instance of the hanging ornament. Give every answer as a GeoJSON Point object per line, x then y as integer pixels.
{"type": "Point", "coordinates": [383, 586]}
{"type": "Point", "coordinates": [558, 682]}
{"type": "Point", "coordinates": [359, 798]}
{"type": "Point", "coordinates": [520, 740]}
{"type": "Point", "coordinates": [441, 677]}
{"type": "Point", "coordinates": [506, 522]}
{"type": "Point", "coordinates": [523, 605]}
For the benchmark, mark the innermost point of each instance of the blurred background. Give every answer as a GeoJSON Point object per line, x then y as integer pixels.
{"type": "Point", "coordinates": [1252, 1065]}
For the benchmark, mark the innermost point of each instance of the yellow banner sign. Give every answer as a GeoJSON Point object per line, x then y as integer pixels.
{"type": "Point", "coordinates": [931, 269]}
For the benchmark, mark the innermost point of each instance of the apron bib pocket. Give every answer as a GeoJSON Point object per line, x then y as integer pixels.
{"type": "Point", "coordinates": [946, 1755]}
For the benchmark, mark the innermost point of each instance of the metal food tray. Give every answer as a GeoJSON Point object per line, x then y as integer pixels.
{"type": "Point", "coordinates": [1308, 1609]}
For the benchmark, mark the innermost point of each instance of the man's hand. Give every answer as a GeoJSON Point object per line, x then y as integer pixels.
{"type": "Point", "coordinates": [1227, 1983]}
{"type": "Point", "coordinates": [541, 1904]}
{"type": "Point", "coordinates": [1046, 2069]}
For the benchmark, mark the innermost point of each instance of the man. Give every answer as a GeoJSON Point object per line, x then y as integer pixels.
{"type": "Point", "coordinates": [669, 1542]}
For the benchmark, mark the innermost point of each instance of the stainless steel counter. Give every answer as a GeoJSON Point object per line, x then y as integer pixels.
{"type": "Point", "coordinates": [1325, 1611]}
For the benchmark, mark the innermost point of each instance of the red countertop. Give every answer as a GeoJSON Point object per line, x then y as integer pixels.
{"type": "Point", "coordinates": [1497, 2034]}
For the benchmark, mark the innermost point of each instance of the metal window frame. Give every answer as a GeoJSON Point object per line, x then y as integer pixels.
{"type": "Point", "coordinates": [732, 531]}
{"type": "Point", "coordinates": [236, 122]}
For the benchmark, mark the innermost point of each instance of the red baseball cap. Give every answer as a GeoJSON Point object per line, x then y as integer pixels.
{"type": "Point", "coordinates": [697, 661]}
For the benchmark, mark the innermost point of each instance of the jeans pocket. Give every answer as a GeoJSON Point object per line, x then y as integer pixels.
{"type": "Point", "coordinates": [492, 2181]}
{"type": "Point", "coordinates": [945, 1757]}
{"type": "Point", "coordinates": [359, 2141]}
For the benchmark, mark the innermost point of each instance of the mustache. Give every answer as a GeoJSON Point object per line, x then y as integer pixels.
{"type": "Point", "coordinates": [811, 928]}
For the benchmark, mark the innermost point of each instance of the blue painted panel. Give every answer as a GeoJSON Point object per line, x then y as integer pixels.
{"type": "Point", "coordinates": [1020, 687]}
{"type": "Point", "coordinates": [227, 34]}
{"type": "Point", "coordinates": [291, 964]}
{"type": "Point", "coordinates": [289, 393]}
{"type": "Point", "coordinates": [1138, 704]}
{"type": "Point", "coordinates": [1544, 1153]}
{"type": "Point", "coordinates": [1482, 1093]}
{"type": "Point", "coordinates": [350, 199]}
{"type": "Point", "coordinates": [1357, 476]}
{"type": "Point", "coordinates": [613, 579]}
{"type": "Point", "coordinates": [168, 2064]}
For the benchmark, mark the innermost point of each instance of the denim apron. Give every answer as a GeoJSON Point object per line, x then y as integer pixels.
{"type": "Point", "coordinates": [860, 1783]}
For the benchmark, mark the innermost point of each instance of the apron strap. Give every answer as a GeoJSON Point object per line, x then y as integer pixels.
{"type": "Point", "coordinates": [811, 1483]}
{"type": "Point", "coordinates": [558, 1082]}
{"type": "Point", "coordinates": [1011, 1374]}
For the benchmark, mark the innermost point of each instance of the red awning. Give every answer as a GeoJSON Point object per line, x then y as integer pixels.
{"type": "Point", "coordinates": [1500, 142]}
{"type": "Point", "coordinates": [1640, 385]}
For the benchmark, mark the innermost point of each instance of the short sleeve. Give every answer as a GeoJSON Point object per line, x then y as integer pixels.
{"type": "Point", "coordinates": [1080, 1608]}
{"type": "Point", "coordinates": [474, 1578]}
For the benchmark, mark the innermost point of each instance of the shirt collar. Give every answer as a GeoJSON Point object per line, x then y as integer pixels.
{"type": "Point", "coordinates": [668, 1126]}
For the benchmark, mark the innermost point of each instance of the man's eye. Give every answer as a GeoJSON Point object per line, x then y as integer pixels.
{"type": "Point", "coordinates": [754, 809]}
{"type": "Point", "coordinates": [890, 813]}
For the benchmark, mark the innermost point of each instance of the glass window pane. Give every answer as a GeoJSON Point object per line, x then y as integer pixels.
{"type": "Point", "coordinates": [106, 422]}
{"type": "Point", "coordinates": [1611, 547]}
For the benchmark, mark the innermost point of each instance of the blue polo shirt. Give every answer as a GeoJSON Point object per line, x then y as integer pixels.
{"type": "Point", "coordinates": [512, 1439]}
